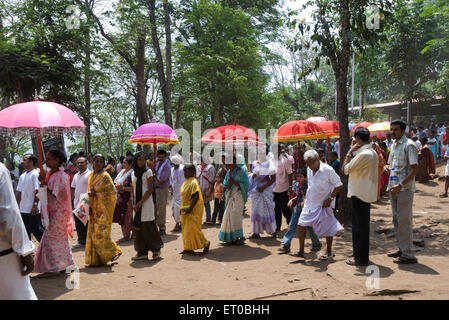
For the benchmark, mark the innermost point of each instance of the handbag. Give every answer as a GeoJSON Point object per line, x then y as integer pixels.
{"type": "Point", "coordinates": [82, 208]}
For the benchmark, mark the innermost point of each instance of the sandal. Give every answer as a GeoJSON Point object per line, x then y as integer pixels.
{"type": "Point", "coordinates": [444, 195]}
{"type": "Point", "coordinates": [394, 254]}
{"type": "Point", "coordinates": [254, 236]}
{"type": "Point", "coordinates": [116, 257]}
{"type": "Point", "coordinates": [206, 248]}
{"type": "Point", "coordinates": [298, 254]}
{"type": "Point", "coordinates": [353, 262]}
{"type": "Point", "coordinates": [325, 256]}
{"type": "Point", "coordinates": [403, 260]}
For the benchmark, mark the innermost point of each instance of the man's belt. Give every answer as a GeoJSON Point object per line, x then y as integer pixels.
{"type": "Point", "coordinates": [5, 252]}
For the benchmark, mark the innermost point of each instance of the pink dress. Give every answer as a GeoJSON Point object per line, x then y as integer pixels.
{"type": "Point", "coordinates": [54, 253]}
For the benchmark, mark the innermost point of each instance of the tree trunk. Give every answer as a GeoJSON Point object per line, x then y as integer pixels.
{"type": "Point", "coordinates": [168, 63]}
{"type": "Point", "coordinates": [340, 66]}
{"type": "Point", "coordinates": [163, 81]}
{"type": "Point", "coordinates": [142, 114]}
{"type": "Point", "coordinates": [87, 94]}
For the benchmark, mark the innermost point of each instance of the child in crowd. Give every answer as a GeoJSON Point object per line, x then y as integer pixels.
{"type": "Point", "coordinates": [219, 203]}
{"type": "Point", "coordinates": [300, 188]}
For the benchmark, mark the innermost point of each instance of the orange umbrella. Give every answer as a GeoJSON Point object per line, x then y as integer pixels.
{"type": "Point", "coordinates": [379, 129]}
{"type": "Point", "coordinates": [330, 128]}
{"type": "Point", "coordinates": [361, 124]}
{"type": "Point", "coordinates": [296, 130]}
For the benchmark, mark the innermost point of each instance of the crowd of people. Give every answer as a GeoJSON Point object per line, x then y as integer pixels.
{"type": "Point", "coordinates": [300, 184]}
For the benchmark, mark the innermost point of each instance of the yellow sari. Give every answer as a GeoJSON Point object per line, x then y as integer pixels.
{"type": "Point", "coordinates": [99, 246]}
{"type": "Point", "coordinates": [192, 236]}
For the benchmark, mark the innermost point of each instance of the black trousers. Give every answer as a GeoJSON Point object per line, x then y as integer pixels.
{"type": "Point", "coordinates": [360, 229]}
{"type": "Point", "coordinates": [218, 210]}
{"type": "Point", "coordinates": [147, 238]}
{"type": "Point", "coordinates": [81, 230]}
{"type": "Point", "coordinates": [281, 208]}
{"type": "Point", "coordinates": [33, 225]}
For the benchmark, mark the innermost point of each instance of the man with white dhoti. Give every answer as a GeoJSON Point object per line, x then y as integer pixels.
{"type": "Point", "coordinates": [176, 180]}
{"type": "Point", "coordinates": [15, 247]}
{"type": "Point", "coordinates": [323, 186]}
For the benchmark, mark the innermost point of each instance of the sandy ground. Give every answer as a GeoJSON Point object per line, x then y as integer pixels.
{"type": "Point", "coordinates": [257, 271]}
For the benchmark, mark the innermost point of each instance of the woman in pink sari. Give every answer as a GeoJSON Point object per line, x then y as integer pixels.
{"type": "Point", "coordinates": [54, 253]}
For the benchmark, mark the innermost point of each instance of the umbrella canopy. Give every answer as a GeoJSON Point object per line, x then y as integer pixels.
{"type": "Point", "coordinates": [316, 119]}
{"type": "Point", "coordinates": [330, 128]}
{"type": "Point", "coordinates": [379, 129]}
{"type": "Point", "coordinates": [293, 131]}
{"type": "Point", "coordinates": [40, 118]}
{"type": "Point", "coordinates": [231, 134]}
{"type": "Point", "coordinates": [154, 133]}
{"type": "Point", "coordinates": [361, 124]}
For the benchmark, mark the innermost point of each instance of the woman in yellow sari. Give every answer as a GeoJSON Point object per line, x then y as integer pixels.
{"type": "Point", "coordinates": [192, 213]}
{"type": "Point", "coordinates": [100, 249]}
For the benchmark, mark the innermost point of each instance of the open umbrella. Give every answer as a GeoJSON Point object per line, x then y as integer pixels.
{"type": "Point", "coordinates": [379, 129]}
{"type": "Point", "coordinates": [296, 130]}
{"type": "Point", "coordinates": [316, 119]}
{"type": "Point", "coordinates": [154, 133]}
{"type": "Point", "coordinates": [37, 118]}
{"type": "Point", "coordinates": [361, 124]}
{"type": "Point", "coordinates": [231, 134]}
{"type": "Point", "coordinates": [330, 128]}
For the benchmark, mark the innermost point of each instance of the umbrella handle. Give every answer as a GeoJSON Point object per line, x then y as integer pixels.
{"type": "Point", "coordinates": [39, 147]}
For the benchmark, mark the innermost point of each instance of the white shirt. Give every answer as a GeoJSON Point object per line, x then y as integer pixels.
{"type": "Point", "coordinates": [389, 143]}
{"type": "Point", "coordinates": [363, 174]}
{"type": "Point", "coordinates": [27, 186]}
{"type": "Point", "coordinates": [148, 205]}
{"type": "Point", "coordinates": [79, 183]}
{"type": "Point", "coordinates": [320, 187]}
{"type": "Point", "coordinates": [176, 180]}
{"type": "Point", "coordinates": [337, 147]}
{"type": "Point", "coordinates": [418, 145]}
{"type": "Point", "coordinates": [283, 170]}
{"type": "Point", "coordinates": [90, 166]}
{"type": "Point", "coordinates": [13, 285]}
{"type": "Point", "coordinates": [206, 178]}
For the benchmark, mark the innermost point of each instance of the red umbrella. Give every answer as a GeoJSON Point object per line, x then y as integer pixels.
{"type": "Point", "coordinates": [37, 118]}
{"type": "Point", "coordinates": [330, 128]}
{"type": "Point", "coordinates": [231, 134]}
{"type": "Point", "coordinates": [361, 124]}
{"type": "Point", "coordinates": [296, 130]}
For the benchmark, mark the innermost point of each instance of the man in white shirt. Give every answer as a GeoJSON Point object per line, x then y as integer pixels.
{"type": "Point", "coordinates": [362, 189]}
{"type": "Point", "coordinates": [27, 197]}
{"type": "Point", "coordinates": [337, 148]}
{"type": "Point", "coordinates": [176, 180]}
{"type": "Point", "coordinates": [323, 186]}
{"type": "Point", "coordinates": [284, 177]}
{"type": "Point", "coordinates": [90, 161]}
{"type": "Point", "coordinates": [78, 187]}
{"type": "Point", "coordinates": [16, 249]}
{"type": "Point", "coordinates": [389, 141]}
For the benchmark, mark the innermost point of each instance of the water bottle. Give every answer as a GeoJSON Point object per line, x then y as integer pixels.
{"type": "Point", "coordinates": [394, 180]}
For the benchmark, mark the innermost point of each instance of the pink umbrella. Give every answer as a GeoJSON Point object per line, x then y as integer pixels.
{"type": "Point", "coordinates": [316, 120]}
{"type": "Point", "coordinates": [39, 118]}
{"type": "Point", "coordinates": [154, 133]}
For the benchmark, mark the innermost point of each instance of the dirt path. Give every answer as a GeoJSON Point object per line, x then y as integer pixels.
{"type": "Point", "coordinates": [257, 271]}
